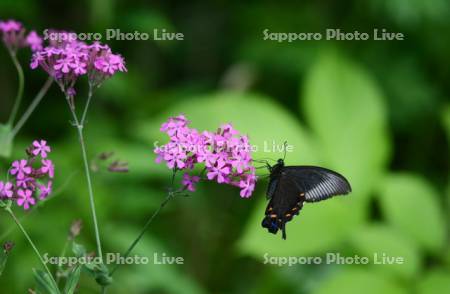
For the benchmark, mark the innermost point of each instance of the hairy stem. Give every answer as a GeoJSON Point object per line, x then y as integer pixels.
{"type": "Point", "coordinates": [16, 220]}
{"type": "Point", "coordinates": [32, 107]}
{"type": "Point", "coordinates": [19, 96]}
{"type": "Point", "coordinates": [79, 128]}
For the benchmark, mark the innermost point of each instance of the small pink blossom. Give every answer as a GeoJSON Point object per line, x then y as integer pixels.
{"type": "Point", "coordinates": [247, 185]}
{"type": "Point", "coordinates": [25, 182]}
{"type": "Point", "coordinates": [10, 26]}
{"type": "Point", "coordinates": [219, 171]}
{"type": "Point", "coordinates": [45, 190]}
{"type": "Point", "coordinates": [25, 199]}
{"type": "Point", "coordinates": [190, 181]}
{"type": "Point", "coordinates": [175, 159]}
{"type": "Point", "coordinates": [40, 148]}
{"type": "Point", "coordinates": [20, 168]}
{"type": "Point", "coordinates": [63, 65]}
{"type": "Point", "coordinates": [34, 41]}
{"type": "Point", "coordinates": [48, 168]}
{"type": "Point", "coordinates": [79, 67]}
{"type": "Point", "coordinates": [6, 189]}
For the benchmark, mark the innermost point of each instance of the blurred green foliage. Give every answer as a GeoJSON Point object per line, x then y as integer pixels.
{"type": "Point", "coordinates": [378, 112]}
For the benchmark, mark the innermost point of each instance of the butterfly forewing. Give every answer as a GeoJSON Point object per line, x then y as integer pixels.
{"type": "Point", "coordinates": [317, 182]}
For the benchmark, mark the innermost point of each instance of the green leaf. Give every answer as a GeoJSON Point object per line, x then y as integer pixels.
{"type": "Point", "coordinates": [378, 241]}
{"type": "Point", "coordinates": [411, 205]}
{"type": "Point", "coordinates": [345, 109]}
{"type": "Point", "coordinates": [72, 280]}
{"type": "Point", "coordinates": [435, 282]}
{"type": "Point", "coordinates": [317, 229]}
{"type": "Point", "coordinates": [44, 282]}
{"type": "Point", "coordinates": [5, 141]}
{"type": "Point", "coordinates": [357, 280]}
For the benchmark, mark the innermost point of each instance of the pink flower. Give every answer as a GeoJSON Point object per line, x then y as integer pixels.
{"type": "Point", "coordinates": [45, 190]}
{"type": "Point", "coordinates": [174, 124]}
{"type": "Point", "coordinates": [48, 168]}
{"type": "Point", "coordinates": [6, 190]}
{"type": "Point", "coordinates": [25, 182]}
{"type": "Point", "coordinates": [36, 59]}
{"type": "Point", "coordinates": [63, 65]}
{"type": "Point", "coordinates": [20, 168]}
{"type": "Point", "coordinates": [79, 67]}
{"type": "Point", "coordinates": [118, 61]}
{"type": "Point", "coordinates": [225, 154]}
{"type": "Point", "coordinates": [34, 41]}
{"type": "Point", "coordinates": [190, 181]}
{"type": "Point", "coordinates": [14, 36]}
{"type": "Point", "coordinates": [66, 58]}
{"type": "Point", "coordinates": [221, 170]}
{"type": "Point", "coordinates": [40, 147]}
{"type": "Point", "coordinates": [110, 64]}
{"type": "Point", "coordinates": [12, 32]}
{"type": "Point", "coordinates": [29, 183]}
{"type": "Point", "coordinates": [10, 26]}
{"type": "Point", "coordinates": [97, 47]}
{"type": "Point", "coordinates": [25, 199]}
{"type": "Point", "coordinates": [175, 159]}
{"type": "Point", "coordinates": [247, 185]}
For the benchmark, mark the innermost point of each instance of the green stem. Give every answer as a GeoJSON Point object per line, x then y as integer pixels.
{"type": "Point", "coordinates": [144, 229]}
{"type": "Point", "coordinates": [20, 88]}
{"type": "Point", "coordinates": [32, 244]}
{"type": "Point", "coordinates": [91, 193]}
{"type": "Point", "coordinates": [88, 176]}
{"type": "Point", "coordinates": [32, 107]}
{"type": "Point", "coordinates": [86, 107]}
{"type": "Point", "coordinates": [63, 254]}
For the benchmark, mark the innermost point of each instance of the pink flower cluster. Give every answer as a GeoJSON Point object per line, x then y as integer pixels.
{"type": "Point", "coordinates": [32, 177]}
{"type": "Point", "coordinates": [66, 59]}
{"type": "Point", "coordinates": [225, 154]}
{"type": "Point", "coordinates": [13, 35]}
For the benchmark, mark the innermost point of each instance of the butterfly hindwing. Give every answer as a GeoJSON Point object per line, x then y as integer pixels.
{"type": "Point", "coordinates": [286, 201]}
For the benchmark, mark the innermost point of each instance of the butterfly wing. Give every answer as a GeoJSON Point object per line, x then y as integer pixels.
{"type": "Point", "coordinates": [273, 183]}
{"type": "Point", "coordinates": [318, 183]}
{"type": "Point", "coordinates": [294, 185]}
{"type": "Point", "coordinates": [286, 201]}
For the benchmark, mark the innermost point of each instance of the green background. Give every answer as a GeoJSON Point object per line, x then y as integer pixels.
{"type": "Point", "coordinates": [376, 111]}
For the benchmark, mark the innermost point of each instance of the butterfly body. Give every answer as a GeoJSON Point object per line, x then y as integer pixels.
{"type": "Point", "coordinates": [291, 186]}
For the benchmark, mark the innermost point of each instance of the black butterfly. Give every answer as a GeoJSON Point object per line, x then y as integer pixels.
{"type": "Point", "coordinates": [290, 186]}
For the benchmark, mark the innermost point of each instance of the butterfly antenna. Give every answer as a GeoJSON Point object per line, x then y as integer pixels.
{"type": "Point", "coordinates": [264, 160]}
